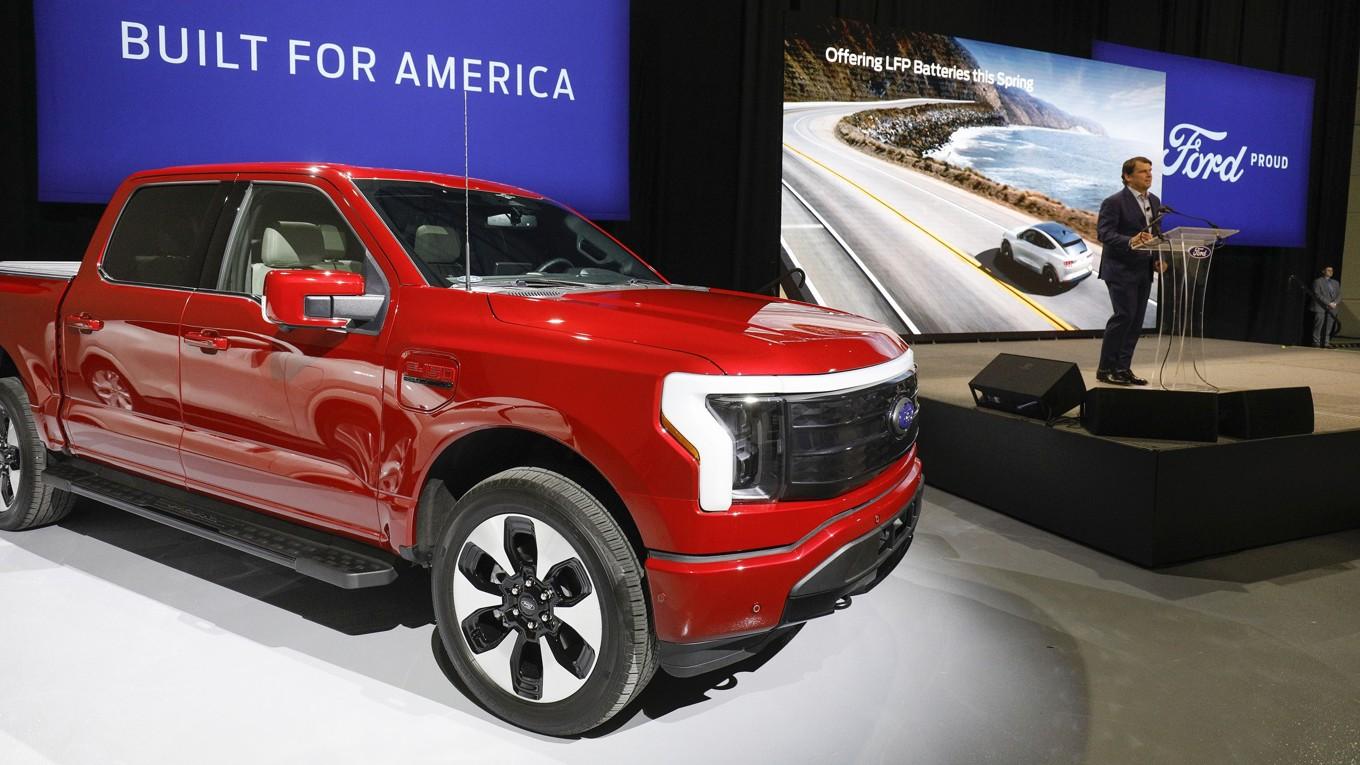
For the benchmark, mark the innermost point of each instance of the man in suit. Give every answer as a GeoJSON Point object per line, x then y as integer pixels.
{"type": "Point", "coordinates": [1326, 293]}
{"type": "Point", "coordinates": [1127, 219]}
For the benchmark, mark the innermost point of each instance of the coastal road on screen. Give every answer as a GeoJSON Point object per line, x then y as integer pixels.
{"type": "Point", "coordinates": [931, 246]}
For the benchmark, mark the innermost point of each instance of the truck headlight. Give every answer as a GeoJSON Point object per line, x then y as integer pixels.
{"type": "Point", "coordinates": [756, 425]}
{"type": "Point", "coordinates": [738, 438]}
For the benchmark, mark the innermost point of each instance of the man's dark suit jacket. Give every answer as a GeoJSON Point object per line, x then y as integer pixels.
{"type": "Point", "coordinates": [1326, 291]}
{"type": "Point", "coordinates": [1120, 218]}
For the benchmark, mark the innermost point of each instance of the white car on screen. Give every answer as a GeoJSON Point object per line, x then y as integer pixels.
{"type": "Point", "coordinates": [1049, 249]}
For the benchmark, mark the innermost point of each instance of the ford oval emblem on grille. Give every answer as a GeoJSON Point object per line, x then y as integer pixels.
{"type": "Point", "coordinates": [903, 414]}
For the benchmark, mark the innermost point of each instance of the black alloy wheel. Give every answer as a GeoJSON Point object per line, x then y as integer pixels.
{"type": "Point", "coordinates": [25, 500]}
{"type": "Point", "coordinates": [540, 603]}
{"type": "Point", "coordinates": [11, 461]}
{"type": "Point", "coordinates": [1050, 277]}
{"type": "Point", "coordinates": [526, 609]}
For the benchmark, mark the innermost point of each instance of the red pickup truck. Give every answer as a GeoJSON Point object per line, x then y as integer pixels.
{"type": "Point", "coordinates": [350, 371]}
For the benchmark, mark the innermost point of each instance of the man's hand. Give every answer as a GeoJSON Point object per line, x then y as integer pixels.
{"type": "Point", "coordinates": [1140, 238]}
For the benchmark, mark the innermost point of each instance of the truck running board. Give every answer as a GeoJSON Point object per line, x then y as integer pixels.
{"type": "Point", "coordinates": [312, 553]}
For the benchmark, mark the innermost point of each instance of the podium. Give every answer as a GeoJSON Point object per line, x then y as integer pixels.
{"type": "Point", "coordinates": [1189, 252]}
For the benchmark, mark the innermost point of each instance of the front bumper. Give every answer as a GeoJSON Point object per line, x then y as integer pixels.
{"type": "Point", "coordinates": [711, 611]}
{"type": "Point", "coordinates": [856, 568]}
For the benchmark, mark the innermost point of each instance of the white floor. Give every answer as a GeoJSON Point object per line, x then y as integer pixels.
{"type": "Point", "coordinates": [124, 642]}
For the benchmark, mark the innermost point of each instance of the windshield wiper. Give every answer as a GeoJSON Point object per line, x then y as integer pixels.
{"type": "Point", "coordinates": [544, 281]}
{"type": "Point", "coordinates": [548, 281]}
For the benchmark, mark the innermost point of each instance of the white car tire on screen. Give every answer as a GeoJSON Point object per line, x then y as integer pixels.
{"type": "Point", "coordinates": [540, 603]}
{"type": "Point", "coordinates": [25, 500]}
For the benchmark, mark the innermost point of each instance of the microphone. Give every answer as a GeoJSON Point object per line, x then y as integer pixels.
{"type": "Point", "coordinates": [1164, 209]}
{"type": "Point", "coordinates": [1152, 226]}
{"type": "Point", "coordinates": [1157, 216]}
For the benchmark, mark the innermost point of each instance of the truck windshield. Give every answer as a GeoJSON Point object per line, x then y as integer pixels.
{"type": "Point", "coordinates": [513, 238]}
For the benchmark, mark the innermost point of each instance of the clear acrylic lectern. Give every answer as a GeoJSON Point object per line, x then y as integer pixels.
{"type": "Point", "coordinates": [1188, 252]}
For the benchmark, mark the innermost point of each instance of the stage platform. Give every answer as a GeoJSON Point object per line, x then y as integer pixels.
{"type": "Point", "coordinates": [1150, 502]}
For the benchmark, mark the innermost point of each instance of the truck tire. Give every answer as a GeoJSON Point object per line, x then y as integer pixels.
{"type": "Point", "coordinates": [531, 558]}
{"type": "Point", "coordinates": [25, 502]}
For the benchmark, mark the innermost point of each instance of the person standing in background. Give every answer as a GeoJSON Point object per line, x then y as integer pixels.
{"type": "Point", "coordinates": [1125, 220]}
{"type": "Point", "coordinates": [1326, 293]}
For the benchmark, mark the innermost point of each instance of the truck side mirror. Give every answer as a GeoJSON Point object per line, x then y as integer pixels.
{"type": "Point", "coordinates": [303, 298]}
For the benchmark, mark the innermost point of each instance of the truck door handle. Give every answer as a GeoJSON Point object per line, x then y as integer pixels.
{"type": "Point", "coordinates": [84, 322]}
{"type": "Point", "coordinates": [206, 339]}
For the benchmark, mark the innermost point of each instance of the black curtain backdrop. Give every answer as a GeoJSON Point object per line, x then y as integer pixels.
{"type": "Point", "coordinates": [706, 88]}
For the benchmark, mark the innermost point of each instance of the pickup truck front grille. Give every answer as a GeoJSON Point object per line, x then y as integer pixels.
{"type": "Point", "coordinates": [839, 441]}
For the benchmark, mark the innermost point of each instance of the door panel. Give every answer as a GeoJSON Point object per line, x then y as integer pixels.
{"type": "Point", "coordinates": [1024, 250]}
{"type": "Point", "coordinates": [122, 380]}
{"type": "Point", "coordinates": [120, 326]}
{"type": "Point", "coordinates": [285, 420]}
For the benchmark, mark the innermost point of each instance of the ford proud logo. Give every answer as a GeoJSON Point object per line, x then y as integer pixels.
{"type": "Point", "coordinates": [1187, 141]}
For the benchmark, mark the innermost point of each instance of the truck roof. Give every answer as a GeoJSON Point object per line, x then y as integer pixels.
{"type": "Point", "coordinates": [336, 172]}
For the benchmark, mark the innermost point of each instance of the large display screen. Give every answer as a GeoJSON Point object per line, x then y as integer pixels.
{"type": "Point", "coordinates": [140, 84]}
{"type": "Point", "coordinates": [945, 185]}
{"type": "Point", "coordinates": [1236, 149]}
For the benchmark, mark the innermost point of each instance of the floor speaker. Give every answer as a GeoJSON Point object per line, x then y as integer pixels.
{"type": "Point", "coordinates": [1266, 412]}
{"type": "Point", "coordinates": [1161, 414]}
{"type": "Point", "coordinates": [1030, 386]}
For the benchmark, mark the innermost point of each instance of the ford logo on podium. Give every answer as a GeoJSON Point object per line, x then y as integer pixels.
{"type": "Point", "coordinates": [1199, 252]}
{"type": "Point", "coordinates": [903, 414]}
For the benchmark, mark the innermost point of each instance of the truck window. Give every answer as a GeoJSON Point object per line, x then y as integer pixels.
{"type": "Point", "coordinates": [287, 226]}
{"type": "Point", "coordinates": [161, 237]}
{"type": "Point", "coordinates": [511, 236]}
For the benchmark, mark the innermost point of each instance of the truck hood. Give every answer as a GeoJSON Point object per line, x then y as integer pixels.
{"type": "Point", "coordinates": [742, 334]}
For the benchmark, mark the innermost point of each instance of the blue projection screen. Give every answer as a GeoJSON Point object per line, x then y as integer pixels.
{"type": "Point", "coordinates": [149, 83]}
{"type": "Point", "coordinates": [1236, 144]}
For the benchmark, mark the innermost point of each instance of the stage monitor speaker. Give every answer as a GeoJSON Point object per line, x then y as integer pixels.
{"type": "Point", "coordinates": [1266, 413]}
{"type": "Point", "coordinates": [1034, 387]}
{"type": "Point", "coordinates": [1173, 415]}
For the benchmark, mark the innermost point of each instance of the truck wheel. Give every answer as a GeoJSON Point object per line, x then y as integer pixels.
{"type": "Point", "coordinates": [25, 502]}
{"type": "Point", "coordinates": [540, 603]}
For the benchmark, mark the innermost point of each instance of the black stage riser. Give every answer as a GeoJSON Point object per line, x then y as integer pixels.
{"type": "Point", "coordinates": [1153, 507]}
{"type": "Point", "coordinates": [1047, 388]}
{"type": "Point", "coordinates": [1266, 412]}
{"type": "Point", "coordinates": [1165, 414]}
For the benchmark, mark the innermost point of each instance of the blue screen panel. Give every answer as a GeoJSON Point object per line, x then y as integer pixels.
{"type": "Point", "coordinates": [148, 83]}
{"type": "Point", "coordinates": [1236, 144]}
